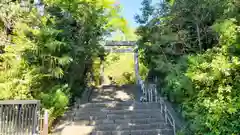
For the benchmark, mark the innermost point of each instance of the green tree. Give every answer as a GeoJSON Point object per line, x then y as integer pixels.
{"type": "Point", "coordinates": [49, 57]}
{"type": "Point", "coordinates": [192, 46]}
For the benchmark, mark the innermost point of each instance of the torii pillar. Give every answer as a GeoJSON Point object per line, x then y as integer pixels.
{"type": "Point", "coordinates": [136, 65]}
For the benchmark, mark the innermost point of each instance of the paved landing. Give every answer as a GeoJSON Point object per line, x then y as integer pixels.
{"type": "Point", "coordinates": [115, 93]}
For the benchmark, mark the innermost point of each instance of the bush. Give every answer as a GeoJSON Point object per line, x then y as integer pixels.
{"type": "Point", "coordinates": [207, 87]}
{"type": "Point", "coordinates": [56, 102]}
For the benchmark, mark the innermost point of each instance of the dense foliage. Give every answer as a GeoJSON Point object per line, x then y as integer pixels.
{"type": "Point", "coordinates": [49, 55]}
{"type": "Point", "coordinates": [193, 47]}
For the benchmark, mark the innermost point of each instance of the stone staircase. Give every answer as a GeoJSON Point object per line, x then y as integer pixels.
{"type": "Point", "coordinates": [112, 110]}
{"type": "Point", "coordinates": [120, 118]}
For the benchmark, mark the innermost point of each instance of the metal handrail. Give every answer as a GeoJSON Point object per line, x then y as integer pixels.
{"type": "Point", "coordinates": [150, 94]}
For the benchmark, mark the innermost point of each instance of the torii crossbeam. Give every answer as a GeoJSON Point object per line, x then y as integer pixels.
{"type": "Point", "coordinates": [120, 43]}
{"type": "Point", "coordinates": [111, 46]}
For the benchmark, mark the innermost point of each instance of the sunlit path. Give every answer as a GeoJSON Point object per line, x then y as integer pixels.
{"type": "Point", "coordinates": [115, 93]}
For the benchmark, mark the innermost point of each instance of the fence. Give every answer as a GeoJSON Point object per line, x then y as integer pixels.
{"type": "Point", "coordinates": [22, 117]}
{"type": "Point", "coordinates": [150, 94]}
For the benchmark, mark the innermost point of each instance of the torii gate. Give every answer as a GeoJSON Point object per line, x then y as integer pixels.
{"type": "Point", "coordinates": [133, 48]}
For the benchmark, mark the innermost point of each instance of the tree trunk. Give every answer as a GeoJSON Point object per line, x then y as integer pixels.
{"type": "Point", "coordinates": [199, 37]}
{"type": "Point", "coordinates": [101, 72]}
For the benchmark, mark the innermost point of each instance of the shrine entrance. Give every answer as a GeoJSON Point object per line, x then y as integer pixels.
{"type": "Point", "coordinates": [121, 47]}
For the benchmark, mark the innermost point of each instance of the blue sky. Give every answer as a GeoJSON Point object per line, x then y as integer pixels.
{"type": "Point", "coordinates": [129, 9]}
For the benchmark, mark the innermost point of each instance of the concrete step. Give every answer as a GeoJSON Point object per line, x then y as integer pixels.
{"type": "Point", "coordinates": [134, 116]}
{"type": "Point", "coordinates": [119, 109]}
{"type": "Point", "coordinates": [135, 132]}
{"type": "Point", "coordinates": [120, 127]}
{"type": "Point", "coordinates": [120, 121]}
{"type": "Point", "coordinates": [121, 118]}
{"type": "Point", "coordinates": [119, 112]}
{"type": "Point", "coordinates": [120, 105]}
{"type": "Point", "coordinates": [153, 113]}
{"type": "Point", "coordinates": [118, 117]}
{"type": "Point", "coordinates": [90, 130]}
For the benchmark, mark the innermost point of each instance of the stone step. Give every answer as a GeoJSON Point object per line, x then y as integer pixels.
{"type": "Point", "coordinates": [135, 132]}
{"type": "Point", "coordinates": [119, 105]}
{"type": "Point", "coordinates": [132, 111]}
{"type": "Point", "coordinates": [121, 118]}
{"type": "Point", "coordinates": [119, 112]}
{"type": "Point", "coordinates": [90, 130]}
{"type": "Point", "coordinates": [118, 108]}
{"type": "Point", "coordinates": [120, 121]}
{"type": "Point", "coordinates": [133, 116]}
{"type": "Point", "coordinates": [117, 117]}
{"type": "Point", "coordinates": [120, 127]}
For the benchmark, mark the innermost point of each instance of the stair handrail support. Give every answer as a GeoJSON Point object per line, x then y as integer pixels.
{"type": "Point", "coordinates": [150, 93]}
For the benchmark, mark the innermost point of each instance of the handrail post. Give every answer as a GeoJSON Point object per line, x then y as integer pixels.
{"type": "Point", "coordinates": [148, 93]}
{"type": "Point", "coordinates": [156, 95]}
{"type": "Point", "coordinates": [174, 128]}
{"type": "Point", "coordinates": [151, 93]}
{"type": "Point", "coordinates": [45, 126]}
{"type": "Point", "coordinates": [165, 113]}
{"type": "Point", "coordinates": [161, 106]}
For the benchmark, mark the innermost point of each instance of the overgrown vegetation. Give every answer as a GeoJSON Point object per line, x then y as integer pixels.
{"type": "Point", "coordinates": [193, 47]}
{"type": "Point", "coordinates": [49, 55]}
